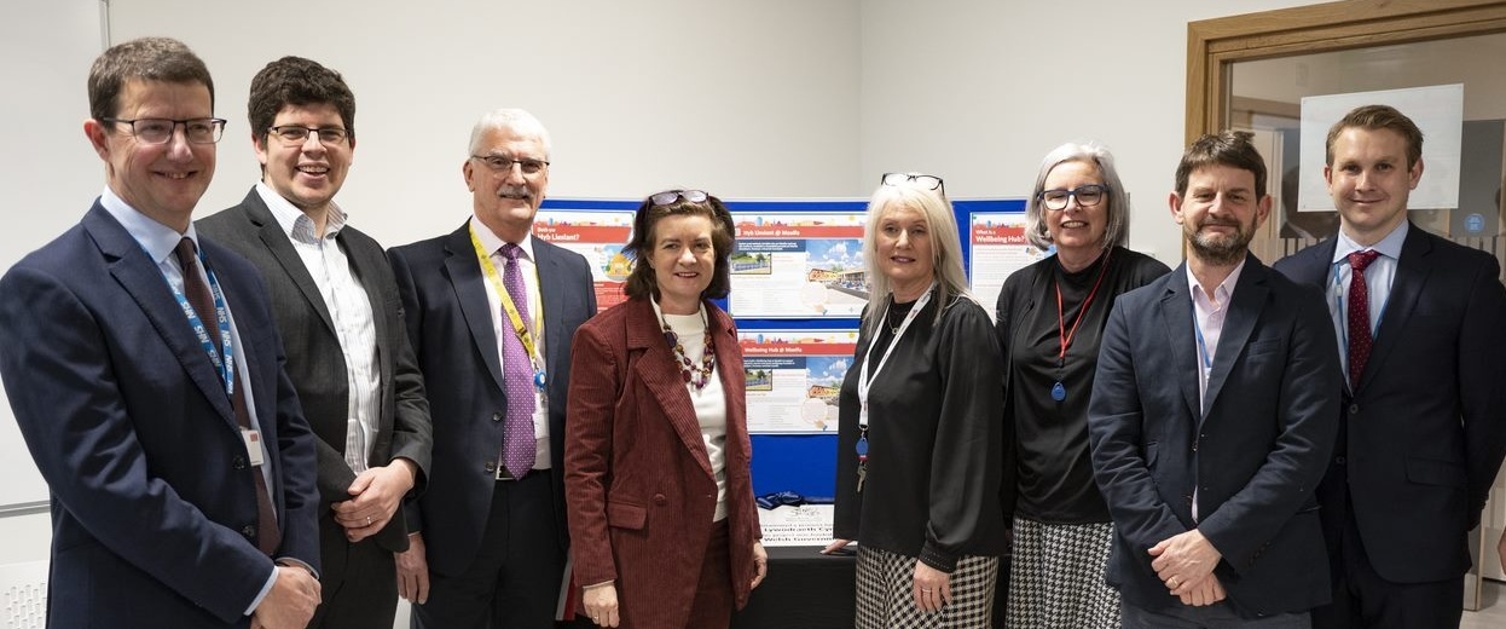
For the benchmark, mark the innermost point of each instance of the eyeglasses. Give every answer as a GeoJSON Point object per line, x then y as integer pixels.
{"type": "Point", "coordinates": [293, 135]}
{"type": "Point", "coordinates": [669, 196]}
{"type": "Point", "coordinates": [160, 130]}
{"type": "Point", "coordinates": [501, 165]}
{"type": "Point", "coordinates": [1087, 196]}
{"type": "Point", "coordinates": [929, 182]}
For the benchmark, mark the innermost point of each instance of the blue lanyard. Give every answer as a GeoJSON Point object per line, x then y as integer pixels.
{"type": "Point", "coordinates": [226, 368]}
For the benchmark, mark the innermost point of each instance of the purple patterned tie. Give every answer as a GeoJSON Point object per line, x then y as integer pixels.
{"type": "Point", "coordinates": [518, 449]}
{"type": "Point", "coordinates": [1359, 315]}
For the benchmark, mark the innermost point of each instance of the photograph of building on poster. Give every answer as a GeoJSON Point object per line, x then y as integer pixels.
{"type": "Point", "coordinates": [793, 378]}
{"type": "Point", "coordinates": [798, 265]}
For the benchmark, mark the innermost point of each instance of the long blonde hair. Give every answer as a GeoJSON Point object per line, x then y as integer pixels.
{"type": "Point", "coordinates": [946, 247]}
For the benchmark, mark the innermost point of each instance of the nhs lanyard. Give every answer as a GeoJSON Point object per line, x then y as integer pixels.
{"type": "Point", "coordinates": [865, 381]}
{"type": "Point", "coordinates": [225, 367]}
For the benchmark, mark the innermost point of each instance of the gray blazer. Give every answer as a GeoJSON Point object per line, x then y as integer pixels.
{"type": "Point", "coordinates": [314, 360]}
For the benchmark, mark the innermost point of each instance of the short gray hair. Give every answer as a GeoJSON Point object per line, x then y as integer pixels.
{"type": "Point", "coordinates": [518, 120]}
{"type": "Point", "coordinates": [1117, 211]}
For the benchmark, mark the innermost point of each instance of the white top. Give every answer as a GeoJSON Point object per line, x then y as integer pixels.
{"type": "Point", "coordinates": [710, 402]}
{"type": "Point", "coordinates": [349, 310]}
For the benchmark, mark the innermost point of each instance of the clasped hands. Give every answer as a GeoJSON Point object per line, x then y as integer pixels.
{"type": "Point", "coordinates": [376, 495]}
{"type": "Point", "coordinates": [1185, 563]}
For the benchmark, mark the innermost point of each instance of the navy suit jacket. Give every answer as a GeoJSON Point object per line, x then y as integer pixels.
{"type": "Point", "coordinates": [316, 364]}
{"type": "Point", "coordinates": [1254, 451]}
{"type": "Point", "coordinates": [153, 503]}
{"type": "Point", "coordinates": [1426, 428]}
{"type": "Point", "coordinates": [449, 322]}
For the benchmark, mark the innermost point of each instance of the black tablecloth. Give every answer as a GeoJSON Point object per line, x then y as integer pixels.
{"type": "Point", "coordinates": [804, 590]}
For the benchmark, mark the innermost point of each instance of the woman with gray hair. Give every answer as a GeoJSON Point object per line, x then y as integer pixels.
{"type": "Point", "coordinates": [1050, 319]}
{"type": "Point", "coordinates": [920, 444]}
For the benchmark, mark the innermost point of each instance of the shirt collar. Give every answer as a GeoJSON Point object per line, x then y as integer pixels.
{"type": "Point", "coordinates": [157, 239]}
{"type": "Point", "coordinates": [1223, 291]}
{"type": "Point", "coordinates": [1390, 246]}
{"type": "Point", "coordinates": [297, 225]}
{"type": "Point", "coordinates": [490, 242]}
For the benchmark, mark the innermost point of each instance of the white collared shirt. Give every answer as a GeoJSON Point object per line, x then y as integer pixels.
{"type": "Point", "coordinates": [528, 266]}
{"type": "Point", "coordinates": [351, 313]}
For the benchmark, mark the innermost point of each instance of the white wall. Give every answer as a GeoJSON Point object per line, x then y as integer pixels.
{"type": "Point", "coordinates": [740, 98]}
{"type": "Point", "coordinates": [979, 90]}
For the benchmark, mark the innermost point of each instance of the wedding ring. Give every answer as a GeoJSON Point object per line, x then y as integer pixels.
{"type": "Point", "coordinates": [368, 520]}
{"type": "Point", "coordinates": [1173, 582]}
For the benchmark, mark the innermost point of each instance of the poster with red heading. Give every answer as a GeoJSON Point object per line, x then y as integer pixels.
{"type": "Point", "coordinates": [999, 249]}
{"type": "Point", "coordinates": [798, 265]}
{"type": "Point", "coordinates": [793, 378]}
{"type": "Point", "coordinates": [597, 235]}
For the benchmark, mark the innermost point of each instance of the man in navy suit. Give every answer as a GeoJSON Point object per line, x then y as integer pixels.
{"type": "Point", "coordinates": [1424, 393]}
{"type": "Point", "coordinates": [491, 311]}
{"type": "Point", "coordinates": [145, 373]}
{"type": "Point", "coordinates": [1212, 415]}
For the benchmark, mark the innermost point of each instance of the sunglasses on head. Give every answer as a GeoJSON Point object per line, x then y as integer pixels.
{"type": "Point", "coordinates": [670, 196]}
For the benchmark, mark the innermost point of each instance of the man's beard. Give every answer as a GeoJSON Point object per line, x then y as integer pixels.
{"type": "Point", "coordinates": [1220, 249]}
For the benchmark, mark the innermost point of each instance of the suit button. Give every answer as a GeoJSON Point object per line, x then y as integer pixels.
{"type": "Point", "coordinates": [498, 416]}
{"type": "Point", "coordinates": [660, 500]}
{"type": "Point", "coordinates": [1354, 409]}
{"type": "Point", "coordinates": [249, 532]}
{"type": "Point", "coordinates": [238, 462]}
{"type": "Point", "coordinates": [1340, 460]}
{"type": "Point", "coordinates": [491, 467]}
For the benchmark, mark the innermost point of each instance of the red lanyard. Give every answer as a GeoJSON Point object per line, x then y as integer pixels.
{"type": "Point", "coordinates": [1063, 335]}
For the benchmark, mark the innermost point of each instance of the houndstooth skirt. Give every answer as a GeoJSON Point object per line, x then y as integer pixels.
{"type": "Point", "coordinates": [1056, 577]}
{"type": "Point", "coordinates": [886, 599]}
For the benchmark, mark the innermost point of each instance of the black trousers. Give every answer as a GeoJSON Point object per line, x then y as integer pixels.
{"type": "Point", "coordinates": [514, 582]}
{"type": "Point", "coordinates": [358, 582]}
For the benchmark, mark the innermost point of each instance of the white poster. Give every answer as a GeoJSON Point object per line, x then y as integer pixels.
{"type": "Point", "coordinates": [798, 265]}
{"type": "Point", "coordinates": [999, 249]}
{"type": "Point", "coordinates": [597, 235]}
{"type": "Point", "coordinates": [797, 525]}
{"type": "Point", "coordinates": [793, 378]}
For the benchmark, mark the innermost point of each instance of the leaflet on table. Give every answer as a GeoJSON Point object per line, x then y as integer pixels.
{"type": "Point", "coordinates": [792, 525]}
{"type": "Point", "coordinates": [798, 265]}
{"type": "Point", "coordinates": [597, 235]}
{"type": "Point", "coordinates": [793, 377]}
{"type": "Point", "coordinates": [999, 249]}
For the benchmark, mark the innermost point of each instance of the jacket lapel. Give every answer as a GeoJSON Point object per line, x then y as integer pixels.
{"type": "Point", "coordinates": [661, 374]}
{"type": "Point", "coordinates": [1250, 297]}
{"type": "Point", "coordinates": [1176, 316]}
{"type": "Point", "coordinates": [547, 264]}
{"type": "Point", "coordinates": [1412, 272]}
{"type": "Point", "coordinates": [143, 281]}
{"type": "Point", "coordinates": [464, 271]}
{"type": "Point", "coordinates": [271, 234]}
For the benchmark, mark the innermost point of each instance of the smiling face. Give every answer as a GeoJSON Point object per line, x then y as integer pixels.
{"type": "Point", "coordinates": [162, 181]}
{"type": "Point", "coordinates": [506, 200]}
{"type": "Point", "coordinates": [1076, 229]}
{"type": "Point", "coordinates": [308, 173]}
{"type": "Point", "coordinates": [1369, 181]}
{"type": "Point", "coordinates": [904, 249]}
{"type": "Point", "coordinates": [683, 259]}
{"type": "Point", "coordinates": [1219, 213]}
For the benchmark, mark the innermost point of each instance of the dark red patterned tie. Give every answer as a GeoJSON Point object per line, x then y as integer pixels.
{"type": "Point", "coordinates": [1359, 315]}
{"type": "Point", "coordinates": [268, 537]}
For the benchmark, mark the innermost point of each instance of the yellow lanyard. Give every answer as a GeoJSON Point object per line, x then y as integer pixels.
{"type": "Point", "coordinates": [525, 336]}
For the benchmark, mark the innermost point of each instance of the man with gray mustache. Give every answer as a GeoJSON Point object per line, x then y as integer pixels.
{"type": "Point", "coordinates": [491, 313]}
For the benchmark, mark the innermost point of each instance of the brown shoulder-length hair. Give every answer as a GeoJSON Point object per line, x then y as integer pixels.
{"type": "Point", "coordinates": [642, 283]}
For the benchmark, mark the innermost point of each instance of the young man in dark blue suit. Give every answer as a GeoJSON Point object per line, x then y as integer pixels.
{"type": "Point", "coordinates": [1423, 348]}
{"type": "Point", "coordinates": [146, 376]}
{"type": "Point", "coordinates": [490, 542]}
{"type": "Point", "coordinates": [1212, 415]}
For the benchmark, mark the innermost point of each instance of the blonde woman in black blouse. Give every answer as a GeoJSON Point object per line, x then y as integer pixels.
{"type": "Point", "coordinates": [920, 448]}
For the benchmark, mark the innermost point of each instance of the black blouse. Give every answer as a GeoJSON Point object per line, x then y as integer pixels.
{"type": "Point", "coordinates": [935, 439]}
{"type": "Point", "coordinates": [1053, 475]}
